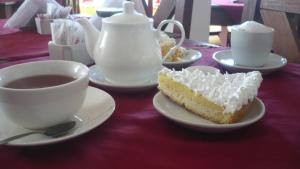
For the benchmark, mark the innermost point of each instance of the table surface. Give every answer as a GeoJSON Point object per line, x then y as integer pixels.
{"type": "Point", "coordinates": [6, 31]}
{"type": "Point", "coordinates": [225, 12]}
{"type": "Point", "coordinates": [137, 136]}
{"type": "Point", "coordinates": [226, 3]}
{"type": "Point", "coordinates": [16, 44]}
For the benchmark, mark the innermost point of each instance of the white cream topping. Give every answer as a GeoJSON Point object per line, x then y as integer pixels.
{"type": "Point", "coordinates": [231, 91]}
{"type": "Point", "coordinates": [252, 26]}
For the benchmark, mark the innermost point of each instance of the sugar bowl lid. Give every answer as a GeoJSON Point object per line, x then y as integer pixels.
{"type": "Point", "coordinates": [128, 16]}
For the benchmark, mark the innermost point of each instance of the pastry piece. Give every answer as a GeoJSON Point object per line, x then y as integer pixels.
{"type": "Point", "coordinates": [166, 43]}
{"type": "Point", "coordinates": [221, 98]}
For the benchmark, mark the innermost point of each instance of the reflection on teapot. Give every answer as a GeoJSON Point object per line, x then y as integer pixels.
{"type": "Point", "coordinates": [127, 49]}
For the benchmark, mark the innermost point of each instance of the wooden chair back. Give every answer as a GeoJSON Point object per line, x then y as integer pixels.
{"type": "Point", "coordinates": [181, 10]}
{"type": "Point", "coordinates": [251, 11]}
{"type": "Point", "coordinates": [219, 16]}
{"type": "Point", "coordinates": [284, 17]}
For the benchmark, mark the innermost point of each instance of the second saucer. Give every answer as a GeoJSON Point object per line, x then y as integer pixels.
{"type": "Point", "coordinates": [225, 59]}
{"type": "Point", "coordinates": [97, 77]}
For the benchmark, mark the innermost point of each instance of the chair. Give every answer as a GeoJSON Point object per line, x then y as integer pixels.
{"type": "Point", "coordinates": [284, 17]}
{"type": "Point", "coordinates": [181, 10]}
{"type": "Point", "coordinates": [8, 7]}
{"type": "Point", "coordinates": [219, 17]}
{"type": "Point", "coordinates": [251, 11]}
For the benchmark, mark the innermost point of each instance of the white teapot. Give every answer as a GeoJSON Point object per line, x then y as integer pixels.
{"type": "Point", "coordinates": [127, 49]}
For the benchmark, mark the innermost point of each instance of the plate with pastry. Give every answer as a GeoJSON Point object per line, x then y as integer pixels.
{"type": "Point", "coordinates": [209, 101]}
{"type": "Point", "coordinates": [181, 58]}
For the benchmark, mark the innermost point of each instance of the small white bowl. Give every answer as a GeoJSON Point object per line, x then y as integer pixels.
{"type": "Point", "coordinates": [43, 107]}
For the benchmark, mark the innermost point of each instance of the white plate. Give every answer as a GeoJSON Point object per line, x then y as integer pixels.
{"type": "Point", "coordinates": [187, 119]}
{"type": "Point", "coordinates": [97, 77]}
{"type": "Point", "coordinates": [225, 59]}
{"type": "Point", "coordinates": [189, 58]}
{"type": "Point", "coordinates": [97, 108]}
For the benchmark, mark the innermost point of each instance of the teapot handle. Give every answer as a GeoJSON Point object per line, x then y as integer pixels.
{"type": "Point", "coordinates": [177, 23]}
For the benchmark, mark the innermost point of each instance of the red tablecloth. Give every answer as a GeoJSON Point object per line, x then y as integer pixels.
{"type": "Point", "coordinates": [5, 31]}
{"type": "Point", "coordinates": [23, 45]}
{"type": "Point", "coordinates": [234, 10]}
{"type": "Point", "coordinates": [137, 136]}
{"type": "Point", "coordinates": [18, 45]}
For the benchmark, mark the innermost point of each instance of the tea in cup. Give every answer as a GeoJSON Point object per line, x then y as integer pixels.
{"type": "Point", "coordinates": [44, 93]}
{"type": "Point", "coordinates": [251, 43]}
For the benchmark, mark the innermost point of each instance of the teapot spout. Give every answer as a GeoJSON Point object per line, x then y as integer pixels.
{"type": "Point", "coordinates": [91, 35]}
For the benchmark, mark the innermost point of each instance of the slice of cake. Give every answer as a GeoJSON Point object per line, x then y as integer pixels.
{"type": "Point", "coordinates": [221, 98]}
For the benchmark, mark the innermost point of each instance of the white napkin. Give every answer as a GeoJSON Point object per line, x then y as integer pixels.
{"type": "Point", "coordinates": [57, 11]}
{"type": "Point", "coordinates": [28, 10]}
{"type": "Point", "coordinates": [66, 32]}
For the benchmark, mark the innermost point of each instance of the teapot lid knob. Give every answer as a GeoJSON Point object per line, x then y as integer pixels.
{"type": "Point", "coordinates": [128, 7]}
{"type": "Point", "coordinates": [128, 16]}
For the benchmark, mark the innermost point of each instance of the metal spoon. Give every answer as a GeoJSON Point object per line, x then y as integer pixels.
{"type": "Point", "coordinates": [54, 131]}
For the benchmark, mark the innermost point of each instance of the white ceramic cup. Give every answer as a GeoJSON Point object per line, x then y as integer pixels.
{"type": "Point", "coordinates": [43, 107]}
{"type": "Point", "coordinates": [251, 49]}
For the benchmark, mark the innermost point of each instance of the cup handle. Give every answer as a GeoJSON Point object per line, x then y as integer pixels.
{"type": "Point", "coordinates": [173, 49]}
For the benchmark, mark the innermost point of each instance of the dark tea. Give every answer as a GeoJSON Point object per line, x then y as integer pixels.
{"type": "Point", "coordinates": [40, 81]}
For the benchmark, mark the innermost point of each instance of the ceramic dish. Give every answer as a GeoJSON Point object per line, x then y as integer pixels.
{"type": "Point", "coordinates": [97, 77]}
{"type": "Point", "coordinates": [225, 59]}
{"type": "Point", "coordinates": [97, 108]}
{"type": "Point", "coordinates": [189, 58]}
{"type": "Point", "coordinates": [187, 119]}
{"type": "Point", "coordinates": [181, 116]}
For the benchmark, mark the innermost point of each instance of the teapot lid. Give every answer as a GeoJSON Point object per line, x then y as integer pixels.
{"type": "Point", "coordinates": [128, 16]}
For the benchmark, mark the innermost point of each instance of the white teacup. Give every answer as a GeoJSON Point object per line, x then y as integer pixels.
{"type": "Point", "coordinates": [43, 107]}
{"type": "Point", "coordinates": [251, 43]}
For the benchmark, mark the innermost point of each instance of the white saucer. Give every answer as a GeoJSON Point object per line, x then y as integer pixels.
{"type": "Point", "coordinates": [98, 78]}
{"type": "Point", "coordinates": [189, 58]}
{"type": "Point", "coordinates": [97, 108]}
{"type": "Point", "coordinates": [225, 59]}
{"type": "Point", "coordinates": [178, 114]}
